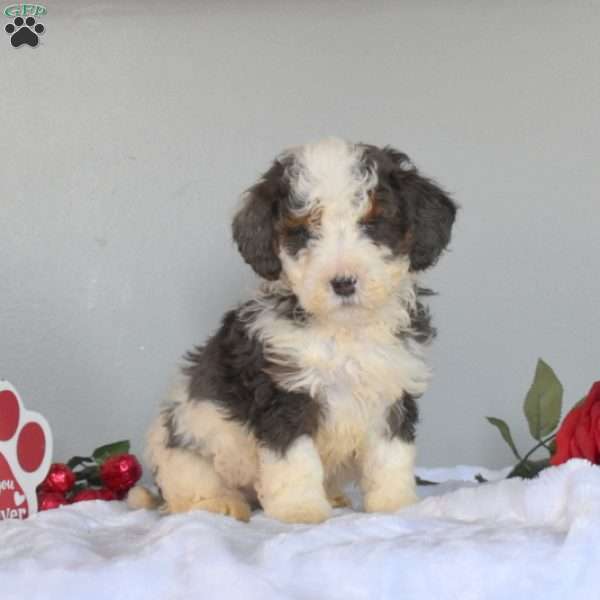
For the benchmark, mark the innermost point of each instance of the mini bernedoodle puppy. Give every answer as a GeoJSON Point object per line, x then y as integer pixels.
{"type": "Point", "coordinates": [313, 382]}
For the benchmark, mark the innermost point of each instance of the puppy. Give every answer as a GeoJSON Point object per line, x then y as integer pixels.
{"type": "Point", "coordinates": [313, 382]}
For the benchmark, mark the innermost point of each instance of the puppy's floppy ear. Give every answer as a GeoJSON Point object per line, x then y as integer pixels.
{"type": "Point", "coordinates": [254, 224]}
{"type": "Point", "coordinates": [430, 210]}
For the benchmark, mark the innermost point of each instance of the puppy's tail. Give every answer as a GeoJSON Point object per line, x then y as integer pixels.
{"type": "Point", "coordinates": [141, 497]}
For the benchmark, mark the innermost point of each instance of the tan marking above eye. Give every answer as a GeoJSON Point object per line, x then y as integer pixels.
{"type": "Point", "coordinates": [311, 220]}
{"type": "Point", "coordinates": [374, 209]}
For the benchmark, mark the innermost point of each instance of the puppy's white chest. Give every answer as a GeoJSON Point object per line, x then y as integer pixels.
{"type": "Point", "coordinates": [370, 368]}
{"type": "Point", "coordinates": [356, 375]}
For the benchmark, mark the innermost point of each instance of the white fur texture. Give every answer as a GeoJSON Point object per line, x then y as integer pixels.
{"type": "Point", "coordinates": [514, 539]}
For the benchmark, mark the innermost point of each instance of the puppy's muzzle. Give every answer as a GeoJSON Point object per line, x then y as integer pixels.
{"type": "Point", "coordinates": [344, 286]}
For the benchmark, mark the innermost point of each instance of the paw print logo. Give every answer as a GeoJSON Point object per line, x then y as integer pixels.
{"type": "Point", "coordinates": [24, 32]}
{"type": "Point", "coordinates": [25, 454]}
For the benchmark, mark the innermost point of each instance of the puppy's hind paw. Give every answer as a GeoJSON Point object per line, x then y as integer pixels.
{"type": "Point", "coordinates": [141, 497]}
{"type": "Point", "coordinates": [230, 506]}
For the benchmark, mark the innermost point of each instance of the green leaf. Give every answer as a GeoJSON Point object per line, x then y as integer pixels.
{"type": "Point", "coordinates": [78, 461]}
{"type": "Point", "coordinates": [424, 481]}
{"type": "Point", "coordinates": [88, 473]}
{"type": "Point", "coordinates": [543, 402]}
{"type": "Point", "coordinates": [77, 488]}
{"type": "Point", "coordinates": [504, 430]}
{"type": "Point", "coordinates": [104, 452]}
{"type": "Point", "coordinates": [95, 480]}
{"type": "Point", "coordinates": [528, 469]}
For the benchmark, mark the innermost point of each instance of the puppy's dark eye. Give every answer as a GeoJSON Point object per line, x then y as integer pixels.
{"type": "Point", "coordinates": [297, 232]}
{"type": "Point", "coordinates": [296, 238]}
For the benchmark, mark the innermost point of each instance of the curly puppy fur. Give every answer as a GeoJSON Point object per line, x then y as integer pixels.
{"type": "Point", "coordinates": [312, 382]}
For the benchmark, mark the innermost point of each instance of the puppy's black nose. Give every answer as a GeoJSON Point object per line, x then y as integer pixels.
{"type": "Point", "coordinates": [344, 286]}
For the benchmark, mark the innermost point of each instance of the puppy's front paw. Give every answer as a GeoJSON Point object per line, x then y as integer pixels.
{"type": "Point", "coordinates": [291, 484]}
{"type": "Point", "coordinates": [383, 500]}
{"type": "Point", "coordinates": [339, 500]}
{"type": "Point", "coordinates": [313, 510]}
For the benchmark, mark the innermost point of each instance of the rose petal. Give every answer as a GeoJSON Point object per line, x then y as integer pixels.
{"type": "Point", "coordinates": [594, 393]}
{"type": "Point", "coordinates": [579, 433]}
{"type": "Point", "coordinates": [574, 450]}
{"type": "Point", "coordinates": [564, 436]}
{"type": "Point", "coordinates": [595, 416]}
{"type": "Point", "coordinates": [584, 438]}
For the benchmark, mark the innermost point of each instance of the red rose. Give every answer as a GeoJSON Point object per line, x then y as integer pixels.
{"type": "Point", "coordinates": [94, 494]}
{"type": "Point", "coordinates": [60, 479]}
{"type": "Point", "coordinates": [87, 494]}
{"type": "Point", "coordinates": [120, 473]}
{"type": "Point", "coordinates": [106, 494]}
{"type": "Point", "coordinates": [49, 500]}
{"type": "Point", "coordinates": [579, 434]}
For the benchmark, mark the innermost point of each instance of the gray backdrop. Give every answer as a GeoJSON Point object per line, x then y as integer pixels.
{"type": "Point", "coordinates": [127, 135]}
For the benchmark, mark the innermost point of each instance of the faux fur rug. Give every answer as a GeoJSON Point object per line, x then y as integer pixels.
{"type": "Point", "coordinates": [505, 539]}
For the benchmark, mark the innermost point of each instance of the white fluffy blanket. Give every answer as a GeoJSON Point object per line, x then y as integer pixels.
{"type": "Point", "coordinates": [508, 539]}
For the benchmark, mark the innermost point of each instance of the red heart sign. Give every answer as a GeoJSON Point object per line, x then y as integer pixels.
{"type": "Point", "coordinates": [25, 455]}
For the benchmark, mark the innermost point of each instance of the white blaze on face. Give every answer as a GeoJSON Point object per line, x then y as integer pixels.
{"type": "Point", "coordinates": [329, 179]}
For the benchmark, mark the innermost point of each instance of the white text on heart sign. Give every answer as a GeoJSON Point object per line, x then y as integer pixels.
{"type": "Point", "coordinates": [6, 484]}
